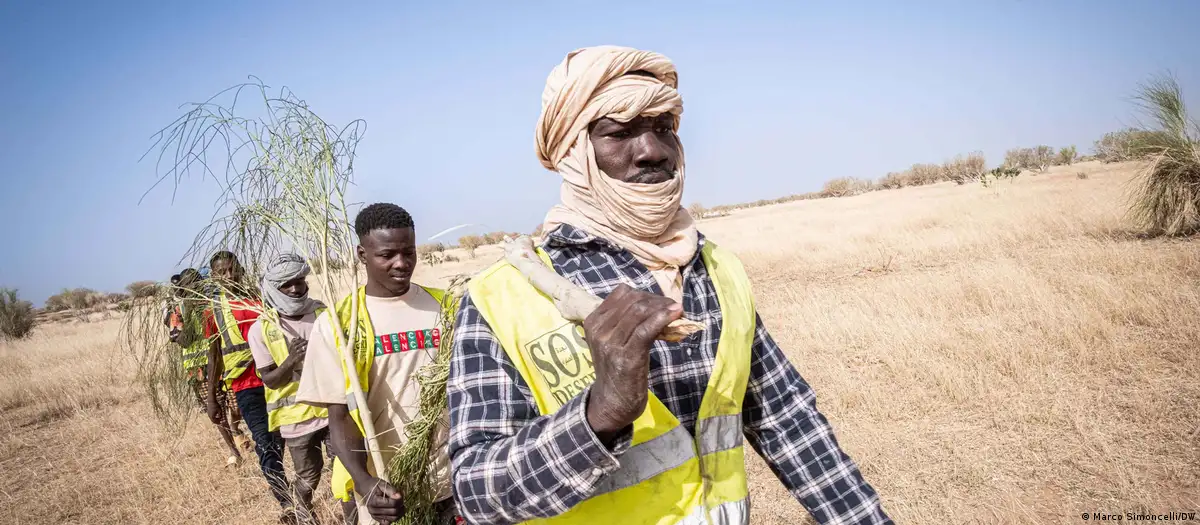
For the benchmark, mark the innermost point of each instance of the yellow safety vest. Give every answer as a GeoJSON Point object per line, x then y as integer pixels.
{"type": "Point", "coordinates": [282, 408]}
{"type": "Point", "coordinates": [235, 351]}
{"type": "Point", "coordinates": [195, 355]}
{"type": "Point", "coordinates": [364, 357]}
{"type": "Point", "coordinates": [667, 476]}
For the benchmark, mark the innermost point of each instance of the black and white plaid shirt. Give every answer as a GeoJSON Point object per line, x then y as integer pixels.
{"type": "Point", "coordinates": [512, 464]}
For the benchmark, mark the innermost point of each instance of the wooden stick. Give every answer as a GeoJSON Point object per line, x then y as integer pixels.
{"type": "Point", "coordinates": [573, 302]}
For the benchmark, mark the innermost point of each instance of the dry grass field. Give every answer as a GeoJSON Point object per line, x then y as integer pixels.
{"type": "Point", "coordinates": [1009, 354]}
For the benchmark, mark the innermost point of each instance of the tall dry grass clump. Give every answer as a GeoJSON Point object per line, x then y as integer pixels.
{"type": "Point", "coordinates": [1166, 194]}
{"type": "Point", "coordinates": [16, 316]}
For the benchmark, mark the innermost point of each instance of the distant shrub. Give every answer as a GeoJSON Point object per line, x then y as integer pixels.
{"type": "Point", "coordinates": [966, 169]}
{"type": "Point", "coordinates": [493, 237]}
{"type": "Point", "coordinates": [1081, 175]}
{"type": "Point", "coordinates": [431, 254]}
{"type": "Point", "coordinates": [449, 258]}
{"type": "Point", "coordinates": [116, 298]}
{"type": "Point", "coordinates": [922, 174]}
{"type": "Point", "coordinates": [893, 181]}
{"type": "Point", "coordinates": [470, 243]}
{"type": "Point", "coordinates": [697, 210]}
{"type": "Point", "coordinates": [16, 316]}
{"type": "Point", "coordinates": [1004, 172]}
{"type": "Point", "coordinates": [1066, 156]}
{"type": "Point", "coordinates": [1129, 144]}
{"type": "Point", "coordinates": [140, 289]}
{"type": "Point", "coordinates": [846, 186]}
{"type": "Point", "coordinates": [537, 231]}
{"type": "Point", "coordinates": [73, 299]}
{"type": "Point", "coordinates": [1037, 158]}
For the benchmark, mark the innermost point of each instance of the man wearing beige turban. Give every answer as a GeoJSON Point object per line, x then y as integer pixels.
{"type": "Point", "coordinates": [610, 423]}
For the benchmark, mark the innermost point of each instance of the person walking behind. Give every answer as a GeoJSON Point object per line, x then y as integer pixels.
{"type": "Point", "coordinates": [186, 330]}
{"type": "Point", "coordinates": [279, 342]}
{"type": "Point", "coordinates": [231, 363]}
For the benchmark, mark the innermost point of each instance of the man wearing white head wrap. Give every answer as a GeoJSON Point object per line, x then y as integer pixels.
{"type": "Point", "coordinates": [608, 424]}
{"type": "Point", "coordinates": [278, 340]}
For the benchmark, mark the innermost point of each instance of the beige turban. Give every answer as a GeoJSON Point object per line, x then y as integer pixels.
{"type": "Point", "coordinates": [646, 219]}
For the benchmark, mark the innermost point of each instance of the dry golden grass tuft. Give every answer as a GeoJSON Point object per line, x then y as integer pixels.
{"type": "Point", "coordinates": [1002, 354]}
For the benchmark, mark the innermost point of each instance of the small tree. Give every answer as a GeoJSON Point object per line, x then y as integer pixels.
{"type": "Point", "coordinates": [922, 174]}
{"type": "Point", "coordinates": [697, 210]}
{"type": "Point", "coordinates": [57, 302]}
{"type": "Point", "coordinates": [431, 253]}
{"type": "Point", "coordinates": [893, 181]}
{"type": "Point", "coordinates": [470, 243]}
{"type": "Point", "coordinates": [16, 316]}
{"type": "Point", "coordinates": [846, 187]}
{"type": "Point", "coordinates": [1067, 156]}
{"type": "Point", "coordinates": [1042, 157]}
{"type": "Point", "coordinates": [140, 289]}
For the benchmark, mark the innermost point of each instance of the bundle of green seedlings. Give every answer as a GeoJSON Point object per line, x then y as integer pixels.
{"type": "Point", "coordinates": [283, 189]}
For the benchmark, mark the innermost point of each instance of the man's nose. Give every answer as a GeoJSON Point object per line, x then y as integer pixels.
{"type": "Point", "coordinates": [650, 151]}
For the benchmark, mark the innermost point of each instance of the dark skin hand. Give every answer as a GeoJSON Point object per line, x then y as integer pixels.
{"type": "Point", "coordinates": [383, 501]}
{"type": "Point", "coordinates": [278, 376]}
{"type": "Point", "coordinates": [390, 257]}
{"type": "Point", "coordinates": [622, 330]}
{"type": "Point", "coordinates": [620, 333]}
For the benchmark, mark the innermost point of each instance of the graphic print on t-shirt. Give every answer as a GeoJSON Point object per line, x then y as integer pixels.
{"type": "Point", "coordinates": [405, 341]}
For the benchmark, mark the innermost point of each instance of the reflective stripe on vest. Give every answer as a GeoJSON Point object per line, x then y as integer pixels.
{"type": "Point", "coordinates": [282, 408]}
{"type": "Point", "coordinates": [667, 476]}
{"type": "Point", "coordinates": [195, 356]}
{"type": "Point", "coordinates": [235, 351]}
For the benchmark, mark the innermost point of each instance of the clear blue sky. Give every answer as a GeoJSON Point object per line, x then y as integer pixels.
{"type": "Point", "coordinates": [779, 97]}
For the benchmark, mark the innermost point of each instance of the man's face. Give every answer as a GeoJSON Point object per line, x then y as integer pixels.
{"type": "Point", "coordinates": [644, 150]}
{"type": "Point", "coordinates": [227, 270]}
{"type": "Point", "coordinates": [296, 288]}
{"type": "Point", "coordinates": [390, 257]}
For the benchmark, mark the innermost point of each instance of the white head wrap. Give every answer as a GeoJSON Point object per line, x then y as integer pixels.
{"type": "Point", "coordinates": [283, 269]}
{"type": "Point", "coordinates": [646, 219]}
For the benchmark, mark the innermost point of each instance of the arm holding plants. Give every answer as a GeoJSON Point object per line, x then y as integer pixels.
{"type": "Point", "coordinates": [216, 368]}
{"type": "Point", "coordinates": [324, 385]}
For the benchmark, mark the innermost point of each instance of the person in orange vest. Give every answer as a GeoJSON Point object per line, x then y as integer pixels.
{"type": "Point", "coordinates": [184, 320]}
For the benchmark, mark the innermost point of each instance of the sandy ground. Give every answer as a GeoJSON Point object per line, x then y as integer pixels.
{"type": "Point", "coordinates": [988, 355]}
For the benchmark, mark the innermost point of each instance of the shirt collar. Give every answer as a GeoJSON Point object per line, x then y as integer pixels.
{"type": "Point", "coordinates": [567, 236]}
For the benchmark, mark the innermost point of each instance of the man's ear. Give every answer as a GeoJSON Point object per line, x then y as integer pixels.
{"type": "Point", "coordinates": [362, 254]}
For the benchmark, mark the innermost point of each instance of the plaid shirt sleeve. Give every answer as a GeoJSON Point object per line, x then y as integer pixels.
{"type": "Point", "coordinates": [511, 464]}
{"type": "Point", "coordinates": [783, 425]}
